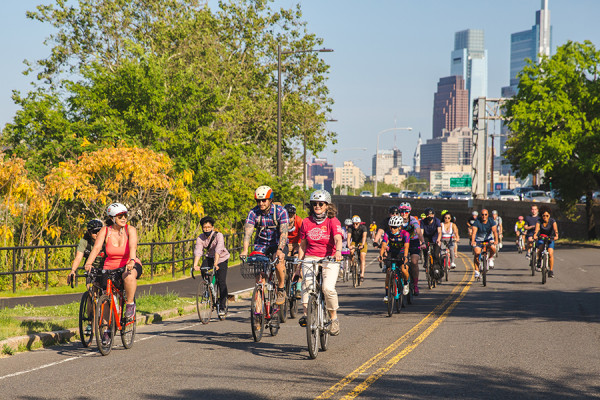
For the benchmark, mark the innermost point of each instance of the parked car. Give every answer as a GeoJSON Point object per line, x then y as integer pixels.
{"type": "Point", "coordinates": [595, 197]}
{"type": "Point", "coordinates": [462, 196]}
{"type": "Point", "coordinates": [504, 194]}
{"type": "Point", "coordinates": [520, 191]}
{"type": "Point", "coordinates": [366, 193]}
{"type": "Point", "coordinates": [426, 195]}
{"type": "Point", "coordinates": [445, 195]}
{"type": "Point", "coordinates": [386, 194]}
{"type": "Point", "coordinates": [394, 195]}
{"type": "Point", "coordinates": [538, 196]}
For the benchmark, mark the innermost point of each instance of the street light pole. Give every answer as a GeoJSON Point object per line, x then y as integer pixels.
{"type": "Point", "coordinates": [377, 153]}
{"type": "Point", "coordinates": [279, 53]}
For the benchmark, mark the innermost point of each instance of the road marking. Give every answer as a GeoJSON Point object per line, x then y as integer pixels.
{"type": "Point", "coordinates": [378, 357]}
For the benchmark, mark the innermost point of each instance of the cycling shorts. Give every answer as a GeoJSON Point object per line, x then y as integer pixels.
{"type": "Point", "coordinates": [540, 243]}
{"type": "Point", "coordinates": [479, 243]}
{"type": "Point", "coordinates": [363, 250]}
{"type": "Point", "coordinates": [270, 251]}
{"type": "Point", "coordinates": [414, 247]}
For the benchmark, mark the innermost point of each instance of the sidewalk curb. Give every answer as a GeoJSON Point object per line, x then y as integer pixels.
{"type": "Point", "coordinates": [46, 339]}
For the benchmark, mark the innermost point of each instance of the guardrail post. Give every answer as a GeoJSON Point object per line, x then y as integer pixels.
{"type": "Point", "coordinates": [152, 260]}
{"type": "Point", "coordinates": [46, 249]}
{"type": "Point", "coordinates": [183, 243]}
{"type": "Point", "coordinates": [73, 257]}
{"type": "Point", "coordinates": [173, 259]}
{"type": "Point", "coordinates": [14, 274]}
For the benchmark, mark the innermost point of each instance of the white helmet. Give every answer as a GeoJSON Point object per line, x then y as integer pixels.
{"type": "Point", "coordinates": [321, 195]}
{"type": "Point", "coordinates": [347, 222]}
{"type": "Point", "coordinates": [263, 192]}
{"type": "Point", "coordinates": [396, 221]}
{"type": "Point", "coordinates": [356, 218]}
{"type": "Point", "coordinates": [115, 209]}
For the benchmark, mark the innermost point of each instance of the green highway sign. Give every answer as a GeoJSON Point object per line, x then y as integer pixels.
{"type": "Point", "coordinates": [464, 181]}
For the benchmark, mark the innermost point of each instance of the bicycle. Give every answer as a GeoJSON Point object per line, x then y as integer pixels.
{"type": "Point", "coordinates": [113, 303]}
{"type": "Point", "coordinates": [533, 259]}
{"type": "Point", "coordinates": [545, 258]}
{"type": "Point", "coordinates": [318, 320]}
{"type": "Point", "coordinates": [345, 267]}
{"type": "Point", "coordinates": [521, 243]}
{"type": "Point", "coordinates": [354, 268]}
{"type": "Point", "coordinates": [428, 265]}
{"type": "Point", "coordinates": [483, 263]}
{"type": "Point", "coordinates": [395, 285]}
{"type": "Point", "coordinates": [445, 256]}
{"type": "Point", "coordinates": [87, 306]}
{"type": "Point", "coordinates": [291, 303]}
{"type": "Point", "coordinates": [208, 296]}
{"type": "Point", "coordinates": [263, 310]}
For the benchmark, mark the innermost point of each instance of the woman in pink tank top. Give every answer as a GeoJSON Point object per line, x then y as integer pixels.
{"type": "Point", "coordinates": [120, 241]}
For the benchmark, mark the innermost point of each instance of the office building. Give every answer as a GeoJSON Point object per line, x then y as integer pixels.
{"type": "Point", "coordinates": [454, 149]}
{"type": "Point", "coordinates": [349, 176]}
{"type": "Point", "coordinates": [469, 60]}
{"type": "Point", "coordinates": [384, 163]}
{"type": "Point", "coordinates": [450, 105]}
{"type": "Point", "coordinates": [320, 174]}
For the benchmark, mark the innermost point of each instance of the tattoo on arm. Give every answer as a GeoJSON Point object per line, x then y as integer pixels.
{"type": "Point", "coordinates": [248, 230]}
{"type": "Point", "coordinates": [283, 234]}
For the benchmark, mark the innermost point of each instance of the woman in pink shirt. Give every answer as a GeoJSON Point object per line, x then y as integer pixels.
{"type": "Point", "coordinates": [321, 236]}
{"type": "Point", "coordinates": [216, 255]}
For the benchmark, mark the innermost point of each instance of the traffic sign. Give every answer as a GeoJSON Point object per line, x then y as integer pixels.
{"type": "Point", "coordinates": [464, 181]}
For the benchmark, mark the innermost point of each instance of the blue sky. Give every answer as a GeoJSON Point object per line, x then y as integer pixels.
{"type": "Point", "coordinates": [388, 57]}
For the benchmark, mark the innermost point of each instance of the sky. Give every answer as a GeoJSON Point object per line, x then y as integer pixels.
{"type": "Point", "coordinates": [388, 57]}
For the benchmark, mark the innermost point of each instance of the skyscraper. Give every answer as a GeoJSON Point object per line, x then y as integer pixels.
{"type": "Point", "coordinates": [469, 60]}
{"type": "Point", "coordinates": [450, 105]}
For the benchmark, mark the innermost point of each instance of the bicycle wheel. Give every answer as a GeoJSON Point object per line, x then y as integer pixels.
{"type": "Point", "coordinates": [533, 260]}
{"type": "Point", "coordinates": [484, 267]}
{"type": "Point", "coordinates": [433, 280]}
{"type": "Point", "coordinates": [392, 292]}
{"type": "Point", "coordinates": [355, 275]}
{"type": "Point", "coordinates": [411, 289]}
{"type": "Point", "coordinates": [293, 306]}
{"type": "Point", "coordinates": [544, 267]}
{"type": "Point", "coordinates": [204, 302]}
{"type": "Point", "coordinates": [218, 302]}
{"type": "Point", "coordinates": [324, 333]}
{"type": "Point", "coordinates": [312, 326]}
{"type": "Point", "coordinates": [257, 317]}
{"type": "Point", "coordinates": [446, 267]}
{"type": "Point", "coordinates": [428, 275]}
{"type": "Point", "coordinates": [283, 309]}
{"type": "Point", "coordinates": [86, 320]}
{"type": "Point", "coordinates": [128, 328]}
{"type": "Point", "coordinates": [400, 293]}
{"type": "Point", "coordinates": [274, 321]}
{"type": "Point", "coordinates": [102, 326]}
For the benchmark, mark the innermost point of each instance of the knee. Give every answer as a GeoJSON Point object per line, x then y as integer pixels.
{"type": "Point", "coordinates": [329, 291]}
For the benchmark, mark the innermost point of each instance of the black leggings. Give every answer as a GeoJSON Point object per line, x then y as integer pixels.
{"type": "Point", "coordinates": [221, 275]}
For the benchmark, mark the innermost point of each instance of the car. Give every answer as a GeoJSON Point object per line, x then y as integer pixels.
{"type": "Point", "coordinates": [426, 195]}
{"type": "Point", "coordinates": [394, 195]}
{"type": "Point", "coordinates": [504, 194]}
{"type": "Point", "coordinates": [445, 195]}
{"type": "Point", "coordinates": [595, 197]}
{"type": "Point", "coordinates": [407, 194]}
{"type": "Point", "coordinates": [386, 194]}
{"type": "Point", "coordinates": [466, 195]}
{"type": "Point", "coordinates": [538, 196]}
{"type": "Point", "coordinates": [366, 193]}
{"type": "Point", "coordinates": [520, 191]}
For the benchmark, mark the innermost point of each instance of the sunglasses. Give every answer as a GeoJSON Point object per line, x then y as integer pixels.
{"type": "Point", "coordinates": [546, 216]}
{"type": "Point", "coordinates": [318, 203]}
{"type": "Point", "coordinates": [396, 213]}
{"type": "Point", "coordinates": [122, 215]}
{"type": "Point", "coordinates": [261, 200]}
{"type": "Point", "coordinates": [485, 215]}
{"type": "Point", "coordinates": [448, 217]}
{"type": "Point", "coordinates": [404, 212]}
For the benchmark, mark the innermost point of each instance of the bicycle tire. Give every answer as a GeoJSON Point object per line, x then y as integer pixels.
{"type": "Point", "coordinates": [104, 305]}
{"type": "Point", "coordinates": [446, 267]}
{"type": "Point", "coordinates": [392, 290]}
{"type": "Point", "coordinates": [128, 329]}
{"type": "Point", "coordinates": [427, 272]}
{"type": "Point", "coordinates": [217, 303]}
{"type": "Point", "coordinates": [282, 312]}
{"type": "Point", "coordinates": [204, 302]}
{"type": "Point", "coordinates": [355, 275]}
{"type": "Point", "coordinates": [324, 333]}
{"type": "Point", "coordinates": [400, 300]}
{"type": "Point", "coordinates": [312, 327]}
{"type": "Point", "coordinates": [484, 268]}
{"type": "Point", "coordinates": [411, 289]}
{"type": "Point", "coordinates": [433, 280]}
{"type": "Point", "coordinates": [533, 260]}
{"type": "Point", "coordinates": [293, 306]}
{"type": "Point", "coordinates": [257, 318]}
{"type": "Point", "coordinates": [274, 321]}
{"type": "Point", "coordinates": [544, 268]}
{"type": "Point", "coordinates": [86, 336]}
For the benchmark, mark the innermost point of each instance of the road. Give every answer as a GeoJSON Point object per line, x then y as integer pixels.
{"type": "Point", "coordinates": [514, 338]}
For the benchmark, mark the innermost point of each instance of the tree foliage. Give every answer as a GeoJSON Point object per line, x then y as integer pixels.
{"type": "Point", "coordinates": [555, 121]}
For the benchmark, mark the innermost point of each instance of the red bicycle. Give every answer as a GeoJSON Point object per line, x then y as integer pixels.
{"type": "Point", "coordinates": [110, 314]}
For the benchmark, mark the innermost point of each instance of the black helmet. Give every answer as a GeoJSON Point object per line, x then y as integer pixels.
{"type": "Point", "coordinates": [94, 226]}
{"type": "Point", "coordinates": [393, 210]}
{"type": "Point", "coordinates": [290, 208]}
{"type": "Point", "coordinates": [429, 210]}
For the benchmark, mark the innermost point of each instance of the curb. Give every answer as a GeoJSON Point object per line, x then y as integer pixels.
{"type": "Point", "coordinates": [46, 339]}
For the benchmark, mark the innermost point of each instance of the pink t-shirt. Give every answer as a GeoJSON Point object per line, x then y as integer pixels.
{"type": "Point", "coordinates": [319, 237]}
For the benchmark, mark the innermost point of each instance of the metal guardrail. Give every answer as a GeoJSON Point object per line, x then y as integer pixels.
{"type": "Point", "coordinates": [183, 248]}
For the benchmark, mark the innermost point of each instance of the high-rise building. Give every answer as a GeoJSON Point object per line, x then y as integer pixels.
{"type": "Point", "coordinates": [450, 105]}
{"type": "Point", "coordinates": [320, 174]}
{"type": "Point", "coordinates": [469, 60]}
{"type": "Point", "coordinates": [417, 157]}
{"type": "Point", "coordinates": [349, 176]}
{"type": "Point", "coordinates": [384, 163]}
{"type": "Point", "coordinates": [453, 149]}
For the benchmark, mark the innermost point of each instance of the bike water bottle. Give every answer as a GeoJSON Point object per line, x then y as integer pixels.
{"type": "Point", "coordinates": [116, 302]}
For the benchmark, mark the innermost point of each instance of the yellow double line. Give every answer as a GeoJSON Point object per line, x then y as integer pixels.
{"type": "Point", "coordinates": [447, 306]}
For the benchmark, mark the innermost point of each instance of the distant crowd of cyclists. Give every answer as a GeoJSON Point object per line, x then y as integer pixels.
{"type": "Point", "coordinates": [279, 231]}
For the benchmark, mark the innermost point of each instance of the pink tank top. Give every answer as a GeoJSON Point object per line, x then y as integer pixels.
{"type": "Point", "coordinates": [116, 257]}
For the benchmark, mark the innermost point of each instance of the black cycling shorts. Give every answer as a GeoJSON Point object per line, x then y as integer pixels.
{"type": "Point", "coordinates": [414, 247]}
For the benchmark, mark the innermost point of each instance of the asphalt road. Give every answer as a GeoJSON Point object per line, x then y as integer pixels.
{"type": "Point", "coordinates": [514, 338]}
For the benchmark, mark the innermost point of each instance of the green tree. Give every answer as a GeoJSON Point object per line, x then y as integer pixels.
{"type": "Point", "coordinates": [555, 123]}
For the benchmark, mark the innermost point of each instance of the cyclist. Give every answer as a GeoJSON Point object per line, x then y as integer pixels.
{"type": "Point", "coordinates": [372, 230]}
{"type": "Point", "coordinates": [432, 233]}
{"type": "Point", "coordinates": [345, 245]}
{"type": "Point", "coordinates": [474, 216]}
{"type": "Point", "coordinates": [217, 256]}
{"type": "Point", "coordinates": [413, 227]}
{"type": "Point", "coordinates": [484, 230]}
{"type": "Point", "coordinates": [396, 242]}
{"type": "Point", "coordinates": [321, 236]}
{"type": "Point", "coordinates": [381, 228]}
{"type": "Point", "coordinates": [295, 221]}
{"type": "Point", "coordinates": [519, 228]}
{"type": "Point", "coordinates": [530, 222]}
{"type": "Point", "coordinates": [498, 221]}
{"type": "Point", "coordinates": [271, 222]}
{"type": "Point", "coordinates": [546, 226]}
{"type": "Point", "coordinates": [358, 240]}
{"type": "Point", "coordinates": [450, 235]}
{"type": "Point", "coordinates": [120, 241]}
{"type": "Point", "coordinates": [84, 248]}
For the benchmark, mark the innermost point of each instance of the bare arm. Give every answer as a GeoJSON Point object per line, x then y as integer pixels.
{"type": "Point", "coordinates": [382, 250]}
{"type": "Point", "coordinates": [555, 230]}
{"type": "Point", "coordinates": [76, 261]}
{"type": "Point", "coordinates": [473, 233]}
{"type": "Point", "coordinates": [364, 239]}
{"type": "Point", "coordinates": [302, 249]}
{"type": "Point", "coordinates": [537, 230]}
{"type": "Point", "coordinates": [495, 232]}
{"type": "Point", "coordinates": [283, 235]}
{"type": "Point", "coordinates": [248, 230]}
{"type": "Point", "coordinates": [338, 247]}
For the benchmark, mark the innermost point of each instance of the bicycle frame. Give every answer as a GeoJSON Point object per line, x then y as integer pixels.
{"type": "Point", "coordinates": [316, 325]}
{"type": "Point", "coordinates": [545, 257]}
{"type": "Point", "coordinates": [483, 262]}
{"type": "Point", "coordinates": [112, 290]}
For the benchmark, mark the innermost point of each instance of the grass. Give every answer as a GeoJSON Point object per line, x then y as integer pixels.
{"type": "Point", "coordinates": [595, 242]}
{"type": "Point", "coordinates": [23, 320]}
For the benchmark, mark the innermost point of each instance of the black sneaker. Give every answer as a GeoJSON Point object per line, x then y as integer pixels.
{"type": "Point", "coordinates": [302, 321]}
{"type": "Point", "coordinates": [550, 274]}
